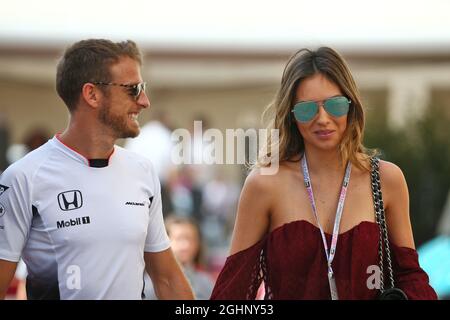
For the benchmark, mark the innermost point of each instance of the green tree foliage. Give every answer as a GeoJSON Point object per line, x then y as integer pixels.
{"type": "Point", "coordinates": [422, 150]}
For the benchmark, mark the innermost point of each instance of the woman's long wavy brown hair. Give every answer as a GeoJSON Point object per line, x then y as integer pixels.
{"type": "Point", "coordinates": [305, 63]}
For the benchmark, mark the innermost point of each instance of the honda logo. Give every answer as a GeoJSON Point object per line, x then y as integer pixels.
{"type": "Point", "coordinates": [70, 200]}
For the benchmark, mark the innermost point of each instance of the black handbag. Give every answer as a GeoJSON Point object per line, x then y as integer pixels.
{"type": "Point", "coordinates": [391, 292]}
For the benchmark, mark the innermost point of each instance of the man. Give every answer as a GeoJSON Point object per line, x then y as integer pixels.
{"type": "Point", "coordinates": [84, 214]}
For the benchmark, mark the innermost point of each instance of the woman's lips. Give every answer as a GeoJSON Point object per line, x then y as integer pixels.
{"type": "Point", "coordinates": [324, 133]}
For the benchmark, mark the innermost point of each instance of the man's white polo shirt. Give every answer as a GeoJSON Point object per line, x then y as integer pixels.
{"type": "Point", "coordinates": [81, 230]}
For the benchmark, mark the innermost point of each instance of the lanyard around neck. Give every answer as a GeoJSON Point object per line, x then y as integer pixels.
{"type": "Point", "coordinates": [331, 253]}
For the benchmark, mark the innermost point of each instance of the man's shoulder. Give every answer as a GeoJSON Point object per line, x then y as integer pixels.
{"type": "Point", "coordinates": [30, 163]}
{"type": "Point", "coordinates": [134, 158]}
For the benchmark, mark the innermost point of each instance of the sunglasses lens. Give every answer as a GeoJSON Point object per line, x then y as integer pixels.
{"type": "Point", "coordinates": [132, 91]}
{"type": "Point", "coordinates": [337, 106]}
{"type": "Point", "coordinates": [136, 90]}
{"type": "Point", "coordinates": [305, 111]}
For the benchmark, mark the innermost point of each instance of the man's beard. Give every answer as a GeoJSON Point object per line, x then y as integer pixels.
{"type": "Point", "coordinates": [118, 124]}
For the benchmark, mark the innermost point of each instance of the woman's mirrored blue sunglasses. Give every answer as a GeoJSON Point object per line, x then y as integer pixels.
{"type": "Point", "coordinates": [335, 106]}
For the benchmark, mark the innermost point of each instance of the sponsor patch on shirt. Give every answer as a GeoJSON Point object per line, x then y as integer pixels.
{"type": "Point", "coordinates": [70, 200]}
{"type": "Point", "coordinates": [3, 189]}
{"type": "Point", "coordinates": [2, 210]}
{"type": "Point", "coordinates": [132, 203]}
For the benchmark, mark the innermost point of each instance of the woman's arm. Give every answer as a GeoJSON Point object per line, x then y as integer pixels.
{"type": "Point", "coordinates": [252, 219]}
{"type": "Point", "coordinates": [240, 278]}
{"type": "Point", "coordinates": [396, 203]}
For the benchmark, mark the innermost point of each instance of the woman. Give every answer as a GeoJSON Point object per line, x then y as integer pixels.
{"type": "Point", "coordinates": [309, 231]}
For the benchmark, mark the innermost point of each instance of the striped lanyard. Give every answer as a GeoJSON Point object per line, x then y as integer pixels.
{"type": "Point", "coordinates": [329, 254]}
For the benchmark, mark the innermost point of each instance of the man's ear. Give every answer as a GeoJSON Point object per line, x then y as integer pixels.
{"type": "Point", "coordinates": [91, 94]}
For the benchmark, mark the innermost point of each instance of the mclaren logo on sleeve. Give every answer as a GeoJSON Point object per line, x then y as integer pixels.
{"type": "Point", "coordinates": [131, 203]}
{"type": "Point", "coordinates": [3, 189]}
{"type": "Point", "coordinates": [70, 200]}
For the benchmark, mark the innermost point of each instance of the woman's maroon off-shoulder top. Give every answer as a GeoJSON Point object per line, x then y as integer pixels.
{"type": "Point", "coordinates": [292, 263]}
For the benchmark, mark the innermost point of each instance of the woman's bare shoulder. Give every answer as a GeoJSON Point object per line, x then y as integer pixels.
{"type": "Point", "coordinates": [396, 201]}
{"type": "Point", "coordinates": [258, 179]}
{"type": "Point", "coordinates": [390, 174]}
{"type": "Point", "coordinates": [393, 183]}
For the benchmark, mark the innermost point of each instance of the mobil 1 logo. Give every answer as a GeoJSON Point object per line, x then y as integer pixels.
{"type": "Point", "coordinates": [73, 222]}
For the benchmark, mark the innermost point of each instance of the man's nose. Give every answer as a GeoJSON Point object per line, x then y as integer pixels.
{"type": "Point", "coordinates": [143, 100]}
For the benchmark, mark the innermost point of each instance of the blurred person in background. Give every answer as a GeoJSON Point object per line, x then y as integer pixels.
{"type": "Point", "coordinates": [187, 245]}
{"type": "Point", "coordinates": [154, 142]}
{"type": "Point", "coordinates": [4, 142]}
{"type": "Point", "coordinates": [292, 238]}
{"type": "Point", "coordinates": [220, 197]}
{"type": "Point", "coordinates": [203, 162]}
{"type": "Point", "coordinates": [34, 138]}
{"type": "Point", "coordinates": [84, 214]}
{"type": "Point", "coordinates": [180, 187]}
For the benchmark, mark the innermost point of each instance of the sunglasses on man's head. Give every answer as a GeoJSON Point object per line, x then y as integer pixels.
{"type": "Point", "coordinates": [335, 106]}
{"type": "Point", "coordinates": [134, 90]}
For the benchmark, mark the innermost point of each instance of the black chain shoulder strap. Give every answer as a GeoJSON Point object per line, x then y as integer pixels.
{"type": "Point", "coordinates": [391, 293]}
{"type": "Point", "coordinates": [381, 221]}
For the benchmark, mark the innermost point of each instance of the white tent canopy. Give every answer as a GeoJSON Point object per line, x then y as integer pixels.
{"type": "Point", "coordinates": [283, 23]}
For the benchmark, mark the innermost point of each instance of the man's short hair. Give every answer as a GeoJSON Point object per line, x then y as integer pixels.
{"type": "Point", "coordinates": [89, 61]}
